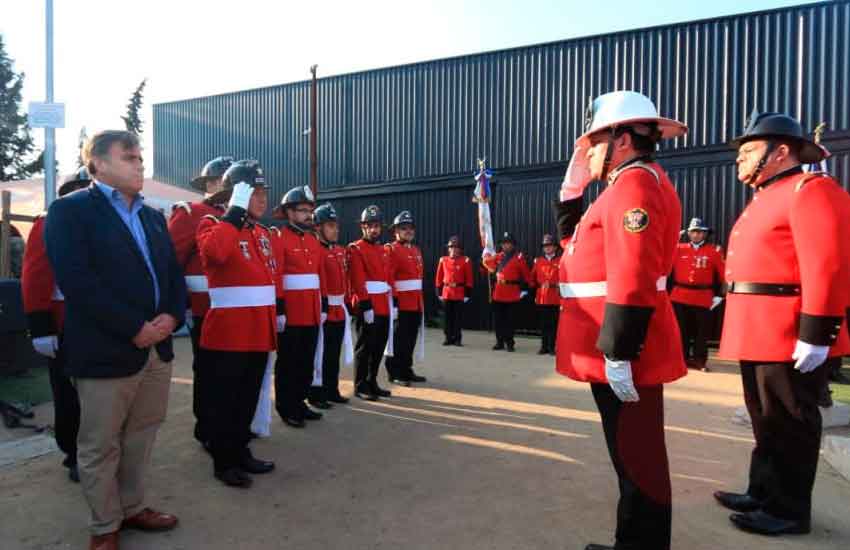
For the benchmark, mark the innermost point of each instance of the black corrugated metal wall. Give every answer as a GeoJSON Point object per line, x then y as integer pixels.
{"type": "Point", "coordinates": [408, 137]}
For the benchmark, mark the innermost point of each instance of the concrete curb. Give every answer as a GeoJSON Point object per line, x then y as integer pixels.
{"type": "Point", "coordinates": [20, 450]}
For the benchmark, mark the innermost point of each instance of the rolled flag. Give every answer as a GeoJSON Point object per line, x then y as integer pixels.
{"type": "Point", "coordinates": [481, 195]}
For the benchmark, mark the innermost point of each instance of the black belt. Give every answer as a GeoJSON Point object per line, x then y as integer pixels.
{"type": "Point", "coordinates": [768, 289]}
{"type": "Point", "coordinates": [696, 287]}
{"type": "Point", "coordinates": [454, 285]}
{"type": "Point", "coordinates": [508, 282]}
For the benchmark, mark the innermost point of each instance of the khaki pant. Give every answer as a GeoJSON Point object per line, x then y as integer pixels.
{"type": "Point", "coordinates": [118, 424]}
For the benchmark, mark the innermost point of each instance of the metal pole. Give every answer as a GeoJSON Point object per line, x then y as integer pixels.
{"type": "Point", "coordinates": [49, 133]}
{"type": "Point", "coordinates": [314, 130]}
{"type": "Point", "coordinates": [5, 234]}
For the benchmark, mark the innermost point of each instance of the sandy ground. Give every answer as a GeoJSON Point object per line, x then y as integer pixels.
{"type": "Point", "coordinates": [496, 451]}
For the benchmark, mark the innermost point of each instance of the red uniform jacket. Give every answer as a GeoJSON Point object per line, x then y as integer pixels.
{"type": "Point", "coordinates": [697, 274]}
{"type": "Point", "coordinates": [511, 276]}
{"type": "Point", "coordinates": [614, 301]}
{"type": "Point", "coordinates": [336, 280]}
{"type": "Point", "coordinates": [406, 271]}
{"type": "Point", "coordinates": [794, 232]}
{"type": "Point", "coordinates": [239, 263]}
{"type": "Point", "coordinates": [454, 278]}
{"type": "Point", "coordinates": [369, 263]}
{"type": "Point", "coordinates": [183, 228]}
{"type": "Point", "coordinates": [43, 302]}
{"type": "Point", "coordinates": [544, 277]}
{"type": "Point", "coordinates": [300, 257]}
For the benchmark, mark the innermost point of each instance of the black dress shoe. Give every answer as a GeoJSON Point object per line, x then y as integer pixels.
{"type": "Point", "coordinates": [364, 391]}
{"type": "Point", "coordinates": [762, 523]}
{"type": "Point", "coordinates": [413, 377]}
{"type": "Point", "coordinates": [338, 399]}
{"type": "Point", "coordinates": [293, 422]}
{"type": "Point", "coordinates": [310, 414]}
{"type": "Point", "coordinates": [447, 343]}
{"type": "Point", "coordinates": [542, 351]}
{"type": "Point", "coordinates": [598, 547]}
{"type": "Point", "coordinates": [737, 501]}
{"type": "Point", "coordinates": [234, 477]}
{"type": "Point", "coordinates": [379, 391]}
{"type": "Point", "coordinates": [498, 347]}
{"type": "Point", "coordinates": [400, 381]}
{"type": "Point", "coordinates": [511, 348]}
{"type": "Point", "coordinates": [324, 405]}
{"type": "Point", "coordinates": [459, 344]}
{"type": "Point", "coordinates": [255, 466]}
{"type": "Point", "coordinates": [73, 473]}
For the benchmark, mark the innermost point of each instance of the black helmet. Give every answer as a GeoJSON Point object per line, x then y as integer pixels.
{"type": "Point", "coordinates": [297, 195]}
{"type": "Point", "coordinates": [780, 126]}
{"type": "Point", "coordinates": [507, 237]}
{"type": "Point", "coordinates": [454, 242]}
{"type": "Point", "coordinates": [548, 240]}
{"type": "Point", "coordinates": [323, 214]}
{"type": "Point", "coordinates": [248, 171]}
{"type": "Point", "coordinates": [213, 169]}
{"type": "Point", "coordinates": [698, 225]}
{"type": "Point", "coordinates": [371, 214]}
{"type": "Point", "coordinates": [77, 180]}
{"type": "Point", "coordinates": [404, 218]}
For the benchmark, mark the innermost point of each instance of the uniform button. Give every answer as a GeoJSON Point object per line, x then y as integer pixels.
{"type": "Point", "coordinates": [736, 232]}
{"type": "Point", "coordinates": [728, 272]}
{"type": "Point", "coordinates": [744, 215]}
{"type": "Point", "coordinates": [731, 253]}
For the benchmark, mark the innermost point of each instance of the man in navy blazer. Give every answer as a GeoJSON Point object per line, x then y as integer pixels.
{"type": "Point", "coordinates": [124, 296]}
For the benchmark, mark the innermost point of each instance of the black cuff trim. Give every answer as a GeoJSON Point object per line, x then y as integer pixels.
{"type": "Point", "coordinates": [280, 306]}
{"type": "Point", "coordinates": [819, 330]}
{"type": "Point", "coordinates": [624, 331]}
{"type": "Point", "coordinates": [395, 302]}
{"type": "Point", "coordinates": [439, 291]}
{"type": "Point", "coordinates": [567, 216]}
{"type": "Point", "coordinates": [467, 292]}
{"type": "Point", "coordinates": [324, 304]}
{"type": "Point", "coordinates": [40, 324]}
{"type": "Point", "coordinates": [365, 305]}
{"type": "Point", "coordinates": [235, 216]}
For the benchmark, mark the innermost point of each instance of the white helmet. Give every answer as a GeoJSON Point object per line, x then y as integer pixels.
{"type": "Point", "coordinates": [626, 108]}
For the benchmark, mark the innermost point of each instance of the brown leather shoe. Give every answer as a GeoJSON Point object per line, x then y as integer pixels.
{"type": "Point", "coordinates": [109, 541]}
{"type": "Point", "coordinates": [150, 520]}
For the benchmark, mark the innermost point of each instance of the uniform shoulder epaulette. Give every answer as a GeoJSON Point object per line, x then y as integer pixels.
{"type": "Point", "coordinates": [211, 217]}
{"type": "Point", "coordinates": [274, 229]}
{"type": "Point", "coordinates": [519, 255]}
{"type": "Point", "coordinates": [718, 248]}
{"type": "Point", "coordinates": [182, 204]}
{"type": "Point", "coordinates": [812, 176]}
{"type": "Point", "coordinates": [466, 259]}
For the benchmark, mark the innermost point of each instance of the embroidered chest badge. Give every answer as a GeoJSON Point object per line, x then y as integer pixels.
{"type": "Point", "coordinates": [265, 246]}
{"type": "Point", "coordinates": [245, 250]}
{"type": "Point", "coordinates": [635, 220]}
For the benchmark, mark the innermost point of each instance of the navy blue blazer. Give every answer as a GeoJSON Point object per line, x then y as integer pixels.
{"type": "Point", "coordinates": [109, 292]}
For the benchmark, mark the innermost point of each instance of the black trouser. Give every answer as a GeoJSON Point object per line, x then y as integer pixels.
{"type": "Point", "coordinates": [783, 407]}
{"type": "Point", "coordinates": [548, 326]}
{"type": "Point", "coordinates": [503, 313]}
{"type": "Point", "coordinates": [694, 326]}
{"type": "Point", "coordinates": [369, 349]}
{"type": "Point", "coordinates": [406, 331]}
{"type": "Point", "coordinates": [232, 386]}
{"type": "Point", "coordinates": [66, 407]}
{"type": "Point", "coordinates": [293, 370]}
{"type": "Point", "coordinates": [454, 320]}
{"type": "Point", "coordinates": [334, 333]}
{"type": "Point", "coordinates": [198, 401]}
{"type": "Point", "coordinates": [634, 433]}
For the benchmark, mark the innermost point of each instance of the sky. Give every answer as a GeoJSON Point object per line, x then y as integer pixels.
{"type": "Point", "coordinates": [191, 48]}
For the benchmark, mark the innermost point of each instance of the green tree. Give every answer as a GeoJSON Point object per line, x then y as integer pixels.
{"type": "Point", "coordinates": [132, 121]}
{"type": "Point", "coordinates": [81, 142]}
{"type": "Point", "coordinates": [16, 143]}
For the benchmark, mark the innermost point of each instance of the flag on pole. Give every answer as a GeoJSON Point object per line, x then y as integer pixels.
{"type": "Point", "coordinates": [818, 166]}
{"type": "Point", "coordinates": [481, 195]}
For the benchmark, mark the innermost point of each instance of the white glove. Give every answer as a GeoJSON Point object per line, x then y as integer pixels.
{"type": "Point", "coordinates": [281, 323]}
{"type": "Point", "coordinates": [241, 195]}
{"type": "Point", "coordinates": [46, 345]}
{"type": "Point", "coordinates": [369, 316]}
{"type": "Point", "coordinates": [393, 313]}
{"type": "Point", "coordinates": [619, 375]}
{"type": "Point", "coordinates": [808, 356]}
{"type": "Point", "coordinates": [715, 302]}
{"type": "Point", "coordinates": [441, 299]}
{"type": "Point", "coordinates": [523, 294]}
{"type": "Point", "coordinates": [323, 317]}
{"type": "Point", "coordinates": [465, 300]}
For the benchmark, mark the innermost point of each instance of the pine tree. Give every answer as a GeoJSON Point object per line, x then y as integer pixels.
{"type": "Point", "coordinates": [16, 143]}
{"type": "Point", "coordinates": [81, 142]}
{"type": "Point", "coordinates": [132, 121]}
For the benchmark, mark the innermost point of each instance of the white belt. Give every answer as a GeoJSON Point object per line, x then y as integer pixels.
{"type": "Point", "coordinates": [305, 281]}
{"type": "Point", "coordinates": [600, 288]}
{"type": "Point", "coordinates": [57, 294]}
{"type": "Point", "coordinates": [377, 287]}
{"type": "Point", "coordinates": [336, 299]}
{"type": "Point", "coordinates": [242, 296]}
{"type": "Point", "coordinates": [408, 285]}
{"type": "Point", "coordinates": [197, 283]}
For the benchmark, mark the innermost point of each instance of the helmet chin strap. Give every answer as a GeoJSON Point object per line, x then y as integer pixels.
{"type": "Point", "coordinates": [771, 145]}
{"type": "Point", "coordinates": [606, 164]}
